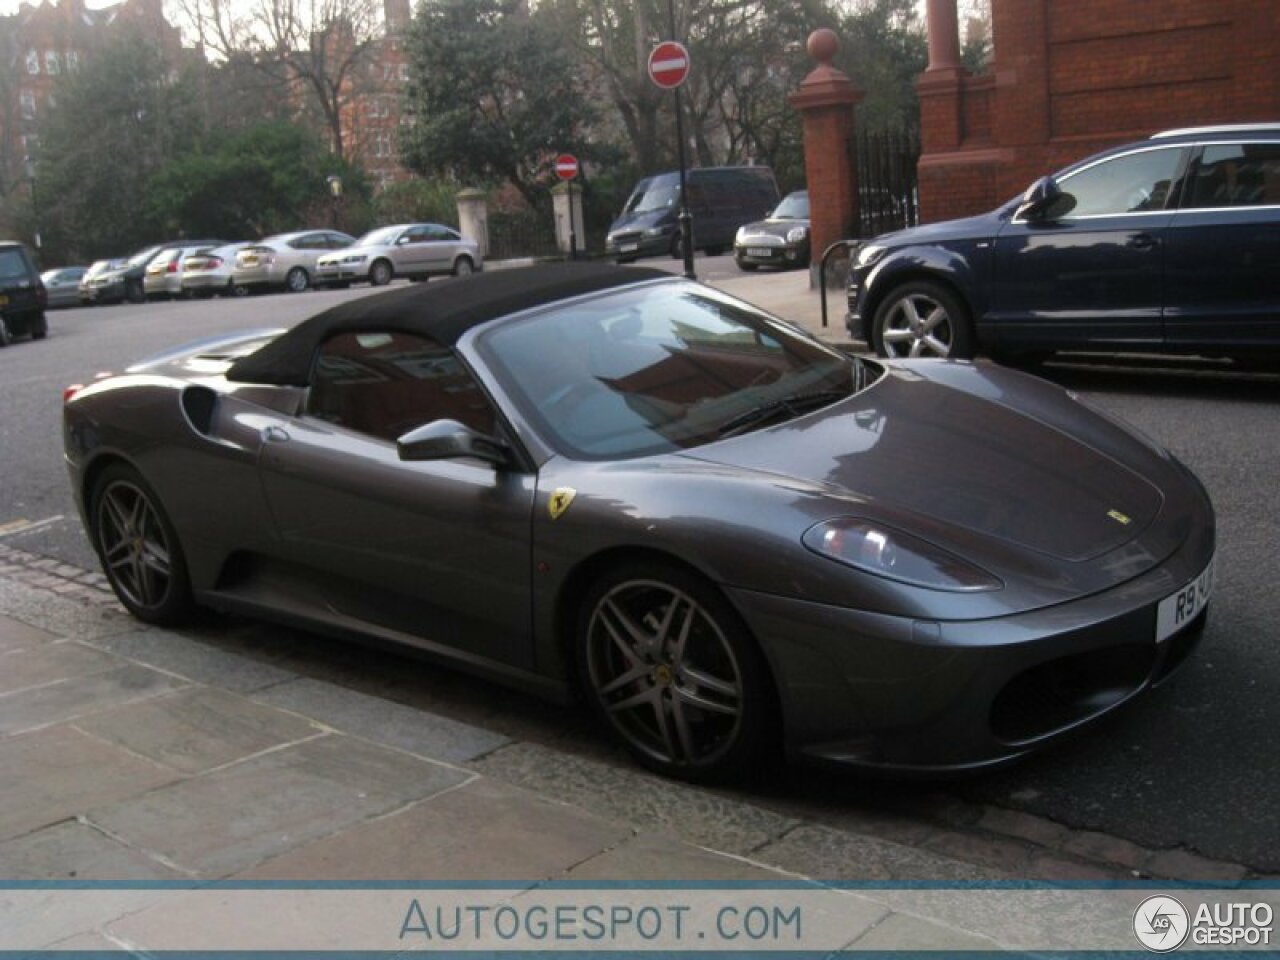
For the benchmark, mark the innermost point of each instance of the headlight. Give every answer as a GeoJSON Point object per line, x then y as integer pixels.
{"type": "Point", "coordinates": [894, 555]}
{"type": "Point", "coordinates": [797, 234]}
{"type": "Point", "coordinates": [869, 254]}
{"type": "Point", "coordinates": [655, 231]}
{"type": "Point", "coordinates": [737, 237]}
{"type": "Point", "coordinates": [355, 258]}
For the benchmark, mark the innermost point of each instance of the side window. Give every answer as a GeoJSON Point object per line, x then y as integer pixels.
{"type": "Point", "coordinates": [1236, 175]}
{"type": "Point", "coordinates": [416, 235]}
{"type": "Point", "coordinates": [1132, 183]}
{"type": "Point", "coordinates": [385, 384]}
{"type": "Point", "coordinates": [440, 233]}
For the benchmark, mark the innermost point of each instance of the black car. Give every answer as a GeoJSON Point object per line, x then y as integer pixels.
{"type": "Point", "coordinates": [1170, 244]}
{"type": "Point", "coordinates": [125, 282]}
{"type": "Point", "coordinates": [22, 295]}
{"type": "Point", "coordinates": [779, 240]}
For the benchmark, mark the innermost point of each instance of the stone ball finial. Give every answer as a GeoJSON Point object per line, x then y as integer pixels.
{"type": "Point", "coordinates": [823, 45]}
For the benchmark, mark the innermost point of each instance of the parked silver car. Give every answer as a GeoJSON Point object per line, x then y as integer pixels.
{"type": "Point", "coordinates": [63, 286]}
{"type": "Point", "coordinates": [87, 286]}
{"type": "Point", "coordinates": [163, 277]}
{"type": "Point", "coordinates": [208, 273]}
{"type": "Point", "coordinates": [286, 260]}
{"type": "Point", "coordinates": [415, 250]}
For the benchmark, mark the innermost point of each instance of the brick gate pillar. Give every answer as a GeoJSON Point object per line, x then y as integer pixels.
{"type": "Point", "coordinates": [826, 100]}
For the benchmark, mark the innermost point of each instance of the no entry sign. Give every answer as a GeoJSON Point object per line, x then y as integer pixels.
{"type": "Point", "coordinates": [566, 166]}
{"type": "Point", "coordinates": [669, 64]}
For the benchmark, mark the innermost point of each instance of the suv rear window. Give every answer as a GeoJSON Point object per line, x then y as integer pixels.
{"type": "Point", "coordinates": [13, 265]}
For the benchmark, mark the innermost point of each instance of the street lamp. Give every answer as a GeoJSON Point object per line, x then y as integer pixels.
{"type": "Point", "coordinates": [335, 194]}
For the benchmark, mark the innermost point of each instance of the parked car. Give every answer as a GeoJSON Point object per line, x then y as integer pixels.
{"type": "Point", "coordinates": [63, 285]}
{"type": "Point", "coordinates": [163, 277]}
{"type": "Point", "coordinates": [779, 240]}
{"type": "Point", "coordinates": [22, 295]}
{"type": "Point", "coordinates": [128, 281]}
{"type": "Point", "coordinates": [624, 482]}
{"type": "Point", "coordinates": [415, 250]}
{"type": "Point", "coordinates": [1168, 244]}
{"type": "Point", "coordinates": [87, 291]}
{"type": "Point", "coordinates": [209, 273]}
{"type": "Point", "coordinates": [721, 199]}
{"type": "Point", "coordinates": [287, 260]}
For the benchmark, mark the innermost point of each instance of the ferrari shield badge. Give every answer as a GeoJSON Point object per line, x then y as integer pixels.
{"type": "Point", "coordinates": [560, 500]}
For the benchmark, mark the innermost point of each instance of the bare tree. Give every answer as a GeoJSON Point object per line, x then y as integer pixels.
{"type": "Point", "coordinates": [318, 53]}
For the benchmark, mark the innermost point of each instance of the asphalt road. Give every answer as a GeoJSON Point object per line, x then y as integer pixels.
{"type": "Point", "coordinates": [1192, 765]}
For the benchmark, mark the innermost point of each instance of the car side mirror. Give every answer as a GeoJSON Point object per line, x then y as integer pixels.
{"type": "Point", "coordinates": [451, 440]}
{"type": "Point", "coordinates": [1044, 200]}
{"type": "Point", "coordinates": [401, 241]}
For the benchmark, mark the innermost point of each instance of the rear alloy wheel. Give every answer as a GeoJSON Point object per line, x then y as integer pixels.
{"type": "Point", "coordinates": [139, 548]}
{"type": "Point", "coordinates": [672, 669]}
{"type": "Point", "coordinates": [464, 267]}
{"type": "Point", "coordinates": [296, 280]}
{"type": "Point", "coordinates": [923, 319]}
{"type": "Point", "coordinates": [380, 273]}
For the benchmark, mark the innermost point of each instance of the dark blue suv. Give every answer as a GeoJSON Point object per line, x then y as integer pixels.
{"type": "Point", "coordinates": [1168, 245]}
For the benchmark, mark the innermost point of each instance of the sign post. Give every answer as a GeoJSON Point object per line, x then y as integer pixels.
{"type": "Point", "coordinates": [567, 170]}
{"type": "Point", "coordinates": [668, 69]}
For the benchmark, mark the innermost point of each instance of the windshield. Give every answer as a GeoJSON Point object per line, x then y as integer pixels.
{"type": "Point", "coordinates": [653, 198]}
{"type": "Point", "coordinates": [659, 369]}
{"type": "Point", "coordinates": [795, 206]}
{"type": "Point", "coordinates": [143, 256]}
{"type": "Point", "coordinates": [379, 238]}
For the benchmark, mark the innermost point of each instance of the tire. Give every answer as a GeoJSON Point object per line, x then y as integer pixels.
{"type": "Point", "coordinates": [677, 246]}
{"type": "Point", "coordinates": [6, 337]}
{"type": "Point", "coordinates": [134, 292]}
{"type": "Point", "coordinates": [674, 673]}
{"type": "Point", "coordinates": [296, 280]}
{"type": "Point", "coordinates": [463, 267]}
{"type": "Point", "coordinates": [922, 319]}
{"type": "Point", "coordinates": [40, 327]}
{"type": "Point", "coordinates": [380, 273]}
{"type": "Point", "coordinates": [139, 548]}
{"type": "Point", "coordinates": [236, 289]}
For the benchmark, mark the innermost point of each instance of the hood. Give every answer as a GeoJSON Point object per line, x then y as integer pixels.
{"type": "Point", "coordinates": [965, 461]}
{"type": "Point", "coordinates": [773, 228]}
{"type": "Point", "coordinates": [969, 228]}
{"type": "Point", "coordinates": [641, 221]}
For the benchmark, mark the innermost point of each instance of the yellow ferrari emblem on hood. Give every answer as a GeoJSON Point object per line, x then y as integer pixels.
{"type": "Point", "coordinates": [1118, 517]}
{"type": "Point", "coordinates": [560, 500]}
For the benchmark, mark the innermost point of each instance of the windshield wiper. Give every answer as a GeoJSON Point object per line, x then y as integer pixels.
{"type": "Point", "coordinates": [782, 408]}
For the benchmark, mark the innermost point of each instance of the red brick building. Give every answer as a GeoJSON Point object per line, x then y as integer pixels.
{"type": "Point", "coordinates": [1070, 77]}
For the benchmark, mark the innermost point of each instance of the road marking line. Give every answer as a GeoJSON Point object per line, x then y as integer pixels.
{"type": "Point", "coordinates": [22, 525]}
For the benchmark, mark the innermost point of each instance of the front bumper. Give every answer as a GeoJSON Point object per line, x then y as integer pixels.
{"type": "Point", "coordinates": [638, 244]}
{"type": "Point", "coordinates": [760, 252]}
{"type": "Point", "coordinates": [855, 320]}
{"type": "Point", "coordinates": [901, 695]}
{"type": "Point", "coordinates": [330, 272]}
{"type": "Point", "coordinates": [107, 292]}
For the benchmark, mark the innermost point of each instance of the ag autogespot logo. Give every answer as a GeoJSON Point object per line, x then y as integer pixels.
{"type": "Point", "coordinates": [1161, 924]}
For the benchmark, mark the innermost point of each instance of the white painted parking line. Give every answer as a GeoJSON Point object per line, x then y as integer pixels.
{"type": "Point", "coordinates": [20, 526]}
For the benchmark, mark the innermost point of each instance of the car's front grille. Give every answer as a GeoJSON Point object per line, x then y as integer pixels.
{"type": "Point", "coordinates": [626, 237]}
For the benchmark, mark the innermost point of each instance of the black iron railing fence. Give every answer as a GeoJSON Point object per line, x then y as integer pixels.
{"type": "Point", "coordinates": [885, 161]}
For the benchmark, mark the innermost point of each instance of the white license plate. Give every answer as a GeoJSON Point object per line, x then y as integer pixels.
{"type": "Point", "coordinates": [628, 247]}
{"type": "Point", "coordinates": [1181, 607]}
{"type": "Point", "coordinates": [759, 252]}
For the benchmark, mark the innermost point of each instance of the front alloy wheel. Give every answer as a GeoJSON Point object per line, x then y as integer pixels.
{"type": "Point", "coordinates": [672, 669]}
{"type": "Point", "coordinates": [923, 319]}
{"type": "Point", "coordinates": [139, 549]}
{"type": "Point", "coordinates": [380, 273]}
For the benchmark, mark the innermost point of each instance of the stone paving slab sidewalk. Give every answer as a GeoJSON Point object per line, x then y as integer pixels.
{"type": "Point", "coordinates": [132, 753]}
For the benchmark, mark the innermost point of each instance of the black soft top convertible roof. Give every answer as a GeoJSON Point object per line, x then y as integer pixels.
{"type": "Point", "coordinates": [442, 311]}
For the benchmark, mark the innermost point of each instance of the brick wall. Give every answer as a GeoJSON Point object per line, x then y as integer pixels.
{"type": "Point", "coordinates": [1071, 78]}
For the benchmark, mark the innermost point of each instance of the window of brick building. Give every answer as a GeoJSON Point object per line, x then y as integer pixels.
{"type": "Point", "coordinates": [33, 61]}
{"type": "Point", "coordinates": [52, 63]}
{"type": "Point", "coordinates": [28, 102]}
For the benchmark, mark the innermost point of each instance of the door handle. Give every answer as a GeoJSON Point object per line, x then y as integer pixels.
{"type": "Point", "coordinates": [1142, 241]}
{"type": "Point", "coordinates": [275, 435]}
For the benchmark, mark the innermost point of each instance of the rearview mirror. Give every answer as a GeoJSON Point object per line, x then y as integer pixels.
{"type": "Point", "coordinates": [451, 440]}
